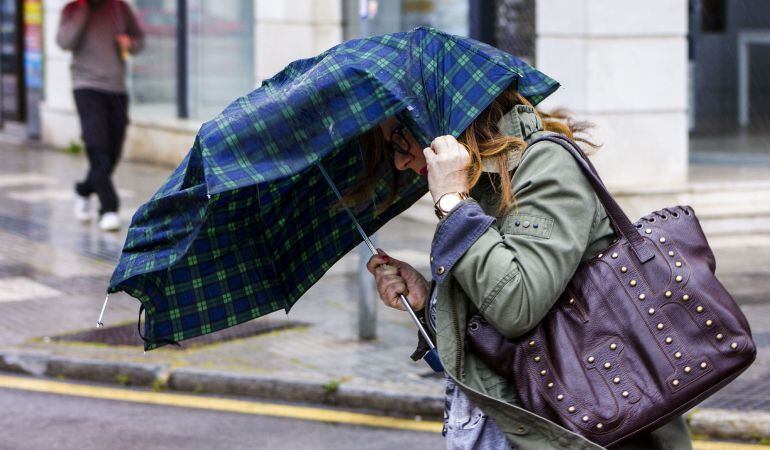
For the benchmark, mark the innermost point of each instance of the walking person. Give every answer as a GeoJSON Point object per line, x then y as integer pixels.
{"type": "Point", "coordinates": [100, 34]}
{"type": "Point", "coordinates": [515, 223]}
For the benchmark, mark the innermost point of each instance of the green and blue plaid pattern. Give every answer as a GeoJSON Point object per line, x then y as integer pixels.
{"type": "Point", "coordinates": [246, 224]}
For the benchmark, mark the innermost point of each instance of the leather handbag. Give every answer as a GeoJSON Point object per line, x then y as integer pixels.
{"type": "Point", "coordinates": [643, 331]}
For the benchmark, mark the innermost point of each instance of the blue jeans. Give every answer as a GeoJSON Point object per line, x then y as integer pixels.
{"type": "Point", "coordinates": [466, 427]}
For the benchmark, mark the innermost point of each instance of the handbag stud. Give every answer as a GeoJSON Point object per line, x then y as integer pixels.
{"type": "Point", "coordinates": [675, 382]}
{"type": "Point", "coordinates": [660, 325]}
{"type": "Point", "coordinates": [550, 385]}
{"type": "Point", "coordinates": [699, 309]}
{"type": "Point", "coordinates": [624, 394]}
{"type": "Point", "coordinates": [651, 311]}
{"type": "Point", "coordinates": [613, 346]}
{"type": "Point", "coordinates": [584, 418]}
{"type": "Point", "coordinates": [720, 336]}
{"type": "Point", "coordinates": [678, 278]}
{"type": "Point", "coordinates": [571, 409]}
{"type": "Point", "coordinates": [560, 397]}
{"type": "Point", "coordinates": [734, 345]}
{"type": "Point", "coordinates": [616, 380]}
{"type": "Point", "coordinates": [703, 365]}
{"type": "Point", "coordinates": [642, 297]}
{"type": "Point", "coordinates": [678, 355]}
{"type": "Point", "coordinates": [670, 253]}
{"type": "Point", "coordinates": [687, 369]}
{"type": "Point", "coordinates": [669, 294]}
{"type": "Point", "coordinates": [591, 359]}
{"type": "Point", "coordinates": [648, 230]}
{"type": "Point", "coordinates": [624, 269]}
{"type": "Point", "coordinates": [614, 256]}
{"type": "Point", "coordinates": [709, 322]}
{"type": "Point", "coordinates": [632, 283]}
{"type": "Point", "coordinates": [536, 358]}
{"type": "Point", "coordinates": [685, 297]}
{"type": "Point", "coordinates": [669, 340]}
{"type": "Point", "coordinates": [662, 240]}
{"type": "Point", "coordinates": [531, 343]}
{"type": "Point", "coordinates": [543, 372]}
{"type": "Point", "coordinates": [678, 263]}
{"type": "Point", "coordinates": [599, 426]}
{"type": "Point", "coordinates": [607, 365]}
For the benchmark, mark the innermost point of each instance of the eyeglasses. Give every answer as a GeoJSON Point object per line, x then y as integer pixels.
{"type": "Point", "coordinates": [398, 142]}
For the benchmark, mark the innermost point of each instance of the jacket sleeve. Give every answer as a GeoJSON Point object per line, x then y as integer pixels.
{"type": "Point", "coordinates": [72, 25]}
{"type": "Point", "coordinates": [133, 29]}
{"type": "Point", "coordinates": [515, 269]}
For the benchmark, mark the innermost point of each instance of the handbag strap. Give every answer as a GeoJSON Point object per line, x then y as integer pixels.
{"type": "Point", "coordinates": [621, 223]}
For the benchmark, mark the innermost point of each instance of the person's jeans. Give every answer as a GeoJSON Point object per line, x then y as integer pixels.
{"type": "Point", "coordinates": [103, 121]}
{"type": "Point", "coordinates": [466, 427]}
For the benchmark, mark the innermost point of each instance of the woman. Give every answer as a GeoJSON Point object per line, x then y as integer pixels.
{"type": "Point", "coordinates": [515, 224]}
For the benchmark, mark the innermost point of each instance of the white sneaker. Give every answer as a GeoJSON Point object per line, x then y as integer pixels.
{"type": "Point", "coordinates": [110, 221]}
{"type": "Point", "coordinates": [82, 208]}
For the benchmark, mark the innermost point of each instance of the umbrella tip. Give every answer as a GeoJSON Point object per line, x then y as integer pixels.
{"type": "Point", "coordinates": [99, 325]}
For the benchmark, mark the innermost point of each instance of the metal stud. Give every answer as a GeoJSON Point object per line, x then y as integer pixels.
{"type": "Point", "coordinates": [614, 255]}
{"type": "Point", "coordinates": [543, 372]}
{"type": "Point", "coordinates": [679, 278]}
{"type": "Point", "coordinates": [678, 263]}
{"type": "Point", "coordinates": [675, 382]}
{"type": "Point", "coordinates": [537, 359]}
{"type": "Point", "coordinates": [632, 283]}
{"type": "Point", "coordinates": [642, 297]}
{"type": "Point", "coordinates": [648, 230]}
{"type": "Point", "coordinates": [624, 269]}
{"type": "Point", "coordinates": [651, 311]}
{"type": "Point", "coordinates": [599, 426]}
{"type": "Point", "coordinates": [669, 340]}
{"type": "Point", "coordinates": [687, 369]}
{"type": "Point", "coordinates": [572, 301]}
{"type": "Point", "coordinates": [613, 346]}
{"type": "Point", "coordinates": [616, 380]}
{"type": "Point", "coordinates": [685, 297]}
{"type": "Point", "coordinates": [668, 294]}
{"type": "Point", "coordinates": [699, 309]}
{"type": "Point", "coordinates": [678, 355]}
{"type": "Point", "coordinates": [600, 255]}
{"type": "Point", "coordinates": [607, 365]}
{"type": "Point", "coordinates": [720, 336]}
{"type": "Point", "coordinates": [560, 397]}
{"type": "Point", "coordinates": [571, 409]}
{"type": "Point", "coordinates": [703, 365]}
{"type": "Point", "coordinates": [662, 240]}
{"type": "Point", "coordinates": [670, 253]}
{"type": "Point", "coordinates": [734, 345]}
{"type": "Point", "coordinates": [550, 385]}
{"type": "Point", "coordinates": [709, 322]}
{"type": "Point", "coordinates": [591, 359]}
{"type": "Point", "coordinates": [584, 418]}
{"type": "Point", "coordinates": [531, 343]}
{"type": "Point", "coordinates": [624, 394]}
{"type": "Point", "coordinates": [660, 326]}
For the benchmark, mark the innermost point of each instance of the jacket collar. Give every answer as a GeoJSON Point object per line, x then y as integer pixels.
{"type": "Point", "coordinates": [521, 122]}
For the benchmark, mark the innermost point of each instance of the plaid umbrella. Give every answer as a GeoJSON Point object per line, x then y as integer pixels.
{"type": "Point", "coordinates": [246, 224]}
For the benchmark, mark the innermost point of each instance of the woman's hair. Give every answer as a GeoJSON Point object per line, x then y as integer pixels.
{"type": "Point", "coordinates": [483, 141]}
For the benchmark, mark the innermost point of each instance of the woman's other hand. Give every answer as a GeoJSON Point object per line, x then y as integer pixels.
{"type": "Point", "coordinates": [448, 162]}
{"type": "Point", "coordinates": [393, 277]}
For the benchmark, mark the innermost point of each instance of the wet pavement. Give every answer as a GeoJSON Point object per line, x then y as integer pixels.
{"type": "Point", "coordinates": [54, 272]}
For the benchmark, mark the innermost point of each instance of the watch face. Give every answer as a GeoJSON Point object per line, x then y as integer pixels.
{"type": "Point", "coordinates": [448, 202]}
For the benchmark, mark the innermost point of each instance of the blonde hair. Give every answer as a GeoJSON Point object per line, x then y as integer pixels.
{"type": "Point", "coordinates": [483, 141]}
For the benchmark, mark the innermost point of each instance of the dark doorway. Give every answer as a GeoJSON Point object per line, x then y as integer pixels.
{"type": "Point", "coordinates": [12, 91]}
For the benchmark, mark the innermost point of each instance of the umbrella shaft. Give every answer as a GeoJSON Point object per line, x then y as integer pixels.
{"type": "Point", "coordinates": [373, 249]}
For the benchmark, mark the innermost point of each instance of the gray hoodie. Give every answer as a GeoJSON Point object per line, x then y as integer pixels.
{"type": "Point", "coordinates": [89, 29]}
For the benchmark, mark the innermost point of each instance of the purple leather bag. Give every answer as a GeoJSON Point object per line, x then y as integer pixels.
{"type": "Point", "coordinates": [643, 332]}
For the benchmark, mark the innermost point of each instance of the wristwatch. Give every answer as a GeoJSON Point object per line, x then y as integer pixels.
{"type": "Point", "coordinates": [447, 202]}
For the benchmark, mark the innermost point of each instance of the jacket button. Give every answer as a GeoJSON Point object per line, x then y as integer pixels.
{"type": "Point", "coordinates": [431, 259]}
{"type": "Point", "coordinates": [440, 270]}
{"type": "Point", "coordinates": [525, 224]}
{"type": "Point", "coordinates": [521, 429]}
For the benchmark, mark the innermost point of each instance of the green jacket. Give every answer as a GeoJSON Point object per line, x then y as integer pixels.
{"type": "Point", "coordinates": [514, 274]}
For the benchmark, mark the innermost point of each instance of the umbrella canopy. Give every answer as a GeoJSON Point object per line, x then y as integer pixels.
{"type": "Point", "coordinates": [246, 224]}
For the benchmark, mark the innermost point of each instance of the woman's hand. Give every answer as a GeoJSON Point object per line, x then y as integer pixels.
{"type": "Point", "coordinates": [448, 162]}
{"type": "Point", "coordinates": [394, 277]}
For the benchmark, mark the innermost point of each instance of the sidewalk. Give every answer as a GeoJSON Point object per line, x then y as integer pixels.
{"type": "Point", "coordinates": [54, 271]}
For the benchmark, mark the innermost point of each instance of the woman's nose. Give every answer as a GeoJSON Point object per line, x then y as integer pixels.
{"type": "Point", "coordinates": [400, 161]}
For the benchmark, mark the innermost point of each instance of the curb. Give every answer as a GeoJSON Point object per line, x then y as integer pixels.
{"type": "Point", "coordinates": [41, 364]}
{"type": "Point", "coordinates": [714, 423]}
